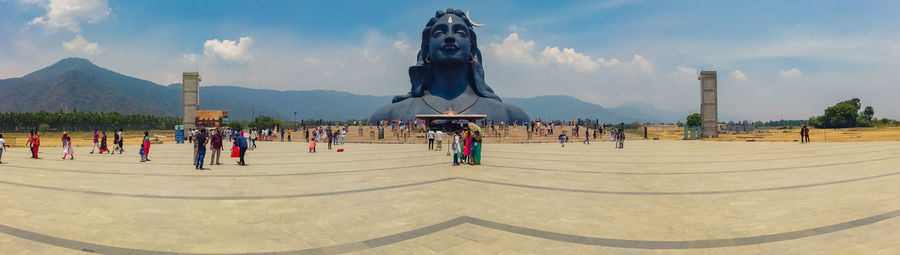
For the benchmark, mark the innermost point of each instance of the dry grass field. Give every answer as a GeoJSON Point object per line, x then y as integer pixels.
{"type": "Point", "coordinates": [793, 135]}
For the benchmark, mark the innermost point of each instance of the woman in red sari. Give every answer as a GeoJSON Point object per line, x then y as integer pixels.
{"type": "Point", "coordinates": [35, 143]}
{"type": "Point", "coordinates": [103, 147]}
{"type": "Point", "coordinates": [467, 151]}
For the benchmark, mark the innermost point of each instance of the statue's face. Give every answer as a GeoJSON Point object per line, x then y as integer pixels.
{"type": "Point", "coordinates": [450, 41]}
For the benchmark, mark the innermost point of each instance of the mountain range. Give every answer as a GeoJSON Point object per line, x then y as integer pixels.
{"type": "Point", "coordinates": [76, 83]}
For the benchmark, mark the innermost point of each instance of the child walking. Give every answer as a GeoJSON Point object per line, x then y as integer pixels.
{"type": "Point", "coordinates": [455, 147]}
{"type": "Point", "coordinates": [68, 150]}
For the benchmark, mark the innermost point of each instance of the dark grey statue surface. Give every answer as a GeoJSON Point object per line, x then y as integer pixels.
{"type": "Point", "coordinates": [449, 76]}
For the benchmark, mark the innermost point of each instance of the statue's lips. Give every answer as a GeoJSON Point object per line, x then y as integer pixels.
{"type": "Point", "coordinates": [449, 48]}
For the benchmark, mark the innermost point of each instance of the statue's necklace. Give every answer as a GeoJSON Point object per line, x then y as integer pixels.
{"type": "Point", "coordinates": [439, 111]}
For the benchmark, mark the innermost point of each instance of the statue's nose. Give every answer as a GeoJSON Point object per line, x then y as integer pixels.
{"type": "Point", "coordinates": [450, 39]}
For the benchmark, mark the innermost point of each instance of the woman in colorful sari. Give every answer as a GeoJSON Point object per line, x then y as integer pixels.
{"type": "Point", "coordinates": [467, 151]}
{"type": "Point", "coordinates": [476, 143]}
{"type": "Point", "coordinates": [68, 150]}
{"type": "Point", "coordinates": [145, 147]}
{"type": "Point", "coordinates": [103, 146]}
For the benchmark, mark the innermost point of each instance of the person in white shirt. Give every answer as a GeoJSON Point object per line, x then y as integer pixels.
{"type": "Point", "coordinates": [2, 147]}
{"type": "Point", "coordinates": [430, 139]}
{"type": "Point", "coordinates": [439, 136]}
{"type": "Point", "coordinates": [456, 150]}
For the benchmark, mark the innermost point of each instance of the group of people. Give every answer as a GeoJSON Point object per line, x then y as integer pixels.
{"type": "Point", "coordinates": [34, 142]}
{"type": "Point", "coordinates": [403, 124]}
{"type": "Point", "coordinates": [540, 127]}
{"type": "Point", "coordinates": [334, 136]}
{"type": "Point", "coordinates": [804, 135]}
{"type": "Point", "coordinates": [466, 146]}
{"type": "Point", "coordinates": [215, 140]}
{"type": "Point", "coordinates": [617, 135]}
{"type": "Point", "coordinates": [435, 136]}
{"type": "Point", "coordinates": [99, 143]}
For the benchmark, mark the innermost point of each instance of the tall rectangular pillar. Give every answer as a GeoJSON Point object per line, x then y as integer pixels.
{"type": "Point", "coordinates": [191, 94]}
{"type": "Point", "coordinates": [709, 111]}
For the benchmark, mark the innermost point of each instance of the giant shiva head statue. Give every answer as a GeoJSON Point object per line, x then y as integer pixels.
{"type": "Point", "coordinates": [448, 40]}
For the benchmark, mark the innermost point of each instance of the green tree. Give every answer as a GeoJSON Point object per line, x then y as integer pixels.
{"type": "Point", "coordinates": [844, 114]}
{"type": "Point", "coordinates": [694, 120]}
{"type": "Point", "coordinates": [841, 115]}
{"type": "Point", "coordinates": [236, 125]}
{"type": "Point", "coordinates": [869, 113]}
{"type": "Point", "coordinates": [816, 121]}
{"type": "Point", "coordinates": [263, 122]}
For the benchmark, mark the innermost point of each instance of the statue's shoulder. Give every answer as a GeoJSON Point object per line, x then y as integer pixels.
{"type": "Point", "coordinates": [514, 110]}
{"type": "Point", "coordinates": [497, 104]}
{"type": "Point", "coordinates": [396, 110]}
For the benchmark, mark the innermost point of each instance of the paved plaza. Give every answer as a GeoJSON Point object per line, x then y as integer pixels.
{"type": "Point", "coordinates": [653, 197]}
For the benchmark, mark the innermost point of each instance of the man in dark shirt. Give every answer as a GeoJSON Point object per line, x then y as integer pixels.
{"type": "Point", "coordinates": [200, 141]}
{"type": "Point", "coordinates": [330, 137]}
{"type": "Point", "coordinates": [241, 143]}
{"type": "Point", "coordinates": [215, 143]}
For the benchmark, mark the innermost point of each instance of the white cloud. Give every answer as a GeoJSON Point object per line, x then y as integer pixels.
{"type": "Point", "coordinates": [401, 46]}
{"type": "Point", "coordinates": [641, 64]}
{"type": "Point", "coordinates": [228, 49]}
{"type": "Point", "coordinates": [737, 75]}
{"type": "Point", "coordinates": [189, 57]}
{"type": "Point", "coordinates": [611, 62]}
{"type": "Point", "coordinates": [70, 14]}
{"type": "Point", "coordinates": [371, 57]}
{"type": "Point", "coordinates": [794, 72]}
{"type": "Point", "coordinates": [568, 56]}
{"type": "Point", "coordinates": [683, 70]}
{"type": "Point", "coordinates": [512, 49]}
{"type": "Point", "coordinates": [515, 50]}
{"type": "Point", "coordinates": [81, 46]}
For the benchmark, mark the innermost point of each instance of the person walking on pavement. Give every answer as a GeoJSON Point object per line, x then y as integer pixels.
{"type": "Point", "coordinates": [430, 139]}
{"type": "Point", "coordinates": [68, 150]}
{"type": "Point", "coordinates": [96, 141]}
{"type": "Point", "coordinates": [587, 136]}
{"type": "Point", "coordinates": [215, 143]}
{"type": "Point", "coordinates": [2, 148]}
{"type": "Point", "coordinates": [253, 136]}
{"type": "Point", "coordinates": [200, 142]}
{"type": "Point", "coordinates": [241, 142]}
{"type": "Point", "coordinates": [35, 144]}
{"type": "Point", "coordinates": [439, 137]}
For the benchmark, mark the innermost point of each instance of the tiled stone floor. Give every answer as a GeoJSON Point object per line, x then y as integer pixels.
{"type": "Point", "coordinates": [653, 197]}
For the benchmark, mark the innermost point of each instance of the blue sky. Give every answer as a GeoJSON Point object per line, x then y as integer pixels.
{"type": "Point", "coordinates": [774, 58]}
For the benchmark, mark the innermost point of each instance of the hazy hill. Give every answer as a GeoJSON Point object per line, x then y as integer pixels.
{"type": "Point", "coordinates": [647, 112]}
{"type": "Point", "coordinates": [309, 104]}
{"type": "Point", "coordinates": [75, 83]}
{"type": "Point", "coordinates": [564, 108]}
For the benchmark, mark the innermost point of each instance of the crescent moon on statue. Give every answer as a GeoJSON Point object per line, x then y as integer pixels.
{"type": "Point", "coordinates": [473, 22]}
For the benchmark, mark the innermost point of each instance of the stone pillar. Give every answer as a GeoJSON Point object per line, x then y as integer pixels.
{"type": "Point", "coordinates": [708, 104]}
{"type": "Point", "coordinates": [190, 93]}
